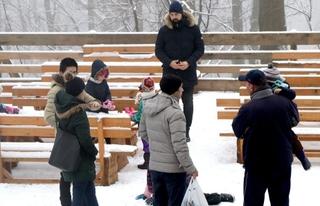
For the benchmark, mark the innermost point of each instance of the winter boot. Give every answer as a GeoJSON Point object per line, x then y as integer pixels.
{"type": "Point", "coordinates": [149, 201]}
{"type": "Point", "coordinates": [226, 197]}
{"type": "Point", "coordinates": [212, 198]}
{"type": "Point", "coordinates": [145, 165]}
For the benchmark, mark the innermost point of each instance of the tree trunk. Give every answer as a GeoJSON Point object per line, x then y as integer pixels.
{"type": "Point", "coordinates": [91, 14]}
{"type": "Point", "coordinates": [49, 15]}
{"type": "Point", "coordinates": [271, 18]}
{"type": "Point", "coordinates": [237, 24]}
{"type": "Point", "coordinates": [254, 21]}
{"type": "Point", "coordinates": [134, 7]}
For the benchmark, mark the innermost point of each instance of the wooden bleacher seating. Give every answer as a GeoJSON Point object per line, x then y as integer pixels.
{"type": "Point", "coordinates": [35, 94]}
{"type": "Point", "coordinates": [111, 158]}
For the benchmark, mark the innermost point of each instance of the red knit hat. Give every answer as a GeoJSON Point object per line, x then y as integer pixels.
{"type": "Point", "coordinates": [147, 84]}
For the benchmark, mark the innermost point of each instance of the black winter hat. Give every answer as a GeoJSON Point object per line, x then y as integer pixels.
{"type": "Point", "coordinates": [74, 86]}
{"type": "Point", "coordinates": [170, 83]}
{"type": "Point", "coordinates": [96, 67]}
{"type": "Point", "coordinates": [255, 77]}
{"type": "Point", "coordinates": [175, 6]}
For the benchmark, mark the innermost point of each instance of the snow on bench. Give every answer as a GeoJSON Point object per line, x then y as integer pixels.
{"type": "Point", "coordinates": [47, 147]}
{"type": "Point", "coordinates": [33, 155]}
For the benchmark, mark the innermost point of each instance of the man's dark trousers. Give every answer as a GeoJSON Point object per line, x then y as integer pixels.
{"type": "Point", "coordinates": [277, 183]}
{"type": "Point", "coordinates": [84, 193]}
{"type": "Point", "coordinates": [168, 188]}
{"type": "Point", "coordinates": [187, 100]}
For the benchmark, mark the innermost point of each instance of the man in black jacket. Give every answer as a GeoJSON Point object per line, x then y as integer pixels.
{"type": "Point", "coordinates": [265, 123]}
{"type": "Point", "coordinates": [179, 46]}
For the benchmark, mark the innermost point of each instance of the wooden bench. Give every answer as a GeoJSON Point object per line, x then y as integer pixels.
{"type": "Point", "coordinates": [119, 71]}
{"type": "Point", "coordinates": [35, 94]}
{"type": "Point", "coordinates": [111, 158]}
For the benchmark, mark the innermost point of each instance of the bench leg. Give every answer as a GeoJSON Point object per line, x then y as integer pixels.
{"type": "Point", "coordinates": [4, 173]}
{"type": "Point", "coordinates": [110, 174]}
{"type": "Point", "coordinates": [122, 160]}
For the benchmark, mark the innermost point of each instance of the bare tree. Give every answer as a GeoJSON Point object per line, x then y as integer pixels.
{"type": "Point", "coordinates": [50, 14]}
{"type": "Point", "coordinates": [302, 7]}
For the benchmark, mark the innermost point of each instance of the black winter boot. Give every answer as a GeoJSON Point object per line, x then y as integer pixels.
{"type": "Point", "coordinates": [226, 197]}
{"type": "Point", "coordinates": [212, 198]}
{"type": "Point", "coordinates": [145, 165]}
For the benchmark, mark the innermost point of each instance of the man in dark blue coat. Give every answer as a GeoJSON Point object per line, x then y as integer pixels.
{"type": "Point", "coordinates": [179, 46]}
{"type": "Point", "coordinates": [265, 123]}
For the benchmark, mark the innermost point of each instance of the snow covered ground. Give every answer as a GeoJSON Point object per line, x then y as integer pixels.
{"type": "Point", "coordinates": [214, 157]}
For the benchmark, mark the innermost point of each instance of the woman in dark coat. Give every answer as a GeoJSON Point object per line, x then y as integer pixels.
{"type": "Point", "coordinates": [71, 117]}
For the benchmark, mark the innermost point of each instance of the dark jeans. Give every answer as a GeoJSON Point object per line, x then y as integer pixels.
{"type": "Point", "coordinates": [277, 183]}
{"type": "Point", "coordinates": [168, 188]}
{"type": "Point", "coordinates": [187, 100]}
{"type": "Point", "coordinates": [84, 193]}
{"type": "Point", "coordinates": [65, 195]}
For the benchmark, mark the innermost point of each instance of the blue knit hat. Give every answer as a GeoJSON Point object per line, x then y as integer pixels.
{"type": "Point", "coordinates": [175, 6]}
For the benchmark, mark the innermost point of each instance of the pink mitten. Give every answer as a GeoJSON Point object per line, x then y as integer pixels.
{"type": "Point", "coordinates": [109, 105]}
{"type": "Point", "coordinates": [11, 110]}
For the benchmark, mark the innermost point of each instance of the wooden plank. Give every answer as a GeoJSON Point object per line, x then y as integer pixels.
{"type": "Point", "coordinates": [227, 68]}
{"type": "Point", "coordinates": [119, 58]}
{"type": "Point", "coordinates": [39, 102]}
{"type": "Point", "coordinates": [30, 131]}
{"type": "Point", "coordinates": [296, 64]}
{"type": "Point", "coordinates": [31, 181]}
{"type": "Point", "coordinates": [117, 78]}
{"type": "Point", "coordinates": [210, 38]}
{"type": "Point", "coordinates": [115, 67]}
{"type": "Point", "coordinates": [22, 120]}
{"type": "Point", "coordinates": [19, 79]}
{"type": "Point", "coordinates": [20, 68]}
{"type": "Point", "coordinates": [285, 71]}
{"type": "Point", "coordinates": [52, 54]}
{"type": "Point", "coordinates": [230, 102]}
{"type": "Point", "coordinates": [33, 90]}
{"type": "Point", "coordinates": [5, 99]}
{"type": "Point", "coordinates": [217, 84]}
{"type": "Point", "coordinates": [121, 48]}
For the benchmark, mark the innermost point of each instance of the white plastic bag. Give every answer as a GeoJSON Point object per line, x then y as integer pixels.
{"type": "Point", "coordinates": [194, 195]}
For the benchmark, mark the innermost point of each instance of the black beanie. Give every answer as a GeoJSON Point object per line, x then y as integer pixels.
{"type": "Point", "coordinates": [96, 67]}
{"type": "Point", "coordinates": [170, 83]}
{"type": "Point", "coordinates": [74, 86]}
{"type": "Point", "coordinates": [175, 7]}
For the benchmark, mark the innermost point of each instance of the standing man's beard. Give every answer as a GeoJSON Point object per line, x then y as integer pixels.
{"type": "Point", "coordinates": [176, 23]}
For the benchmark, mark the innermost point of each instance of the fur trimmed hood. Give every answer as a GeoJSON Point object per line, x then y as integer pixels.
{"type": "Point", "coordinates": [189, 17]}
{"type": "Point", "coordinates": [57, 80]}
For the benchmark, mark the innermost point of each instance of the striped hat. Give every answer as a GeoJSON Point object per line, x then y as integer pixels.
{"type": "Point", "coordinates": [272, 73]}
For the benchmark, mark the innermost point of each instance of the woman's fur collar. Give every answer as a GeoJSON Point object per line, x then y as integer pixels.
{"type": "Point", "coordinates": [58, 79]}
{"type": "Point", "coordinates": [186, 14]}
